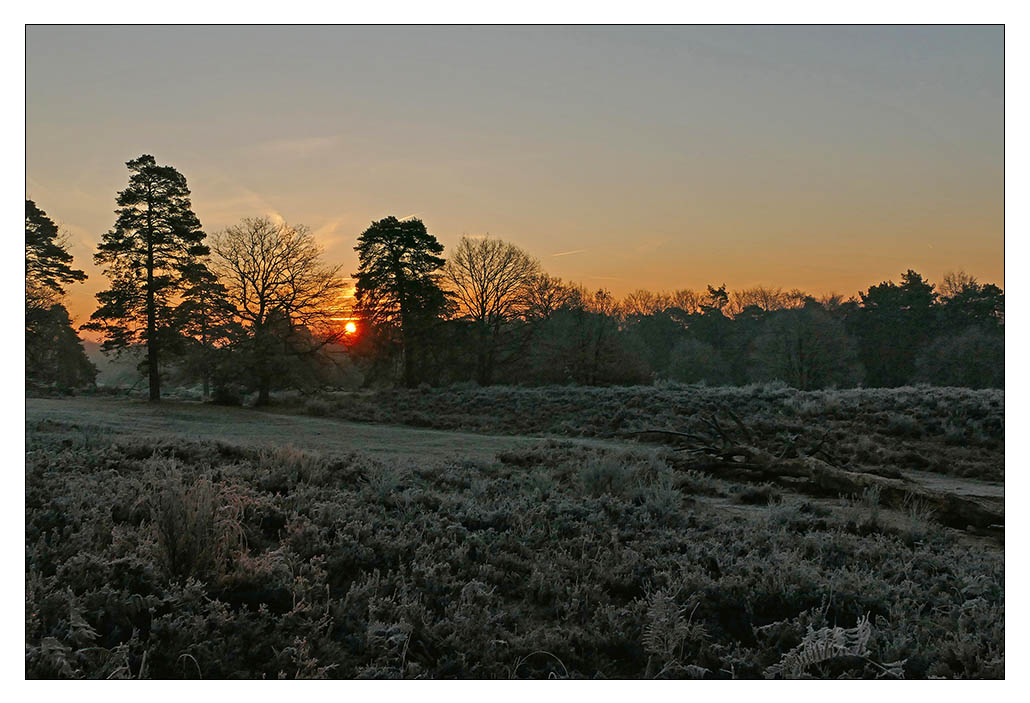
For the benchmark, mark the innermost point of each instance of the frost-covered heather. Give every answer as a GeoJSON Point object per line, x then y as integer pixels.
{"type": "Point", "coordinates": [955, 431]}
{"type": "Point", "coordinates": [182, 560]}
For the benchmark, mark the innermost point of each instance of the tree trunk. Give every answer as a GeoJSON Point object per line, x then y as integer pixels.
{"type": "Point", "coordinates": [152, 344]}
{"type": "Point", "coordinates": [264, 385]}
{"type": "Point", "coordinates": [205, 356]}
{"type": "Point", "coordinates": [264, 375]}
{"type": "Point", "coordinates": [408, 354]}
{"type": "Point", "coordinates": [484, 357]}
{"type": "Point", "coordinates": [409, 367]}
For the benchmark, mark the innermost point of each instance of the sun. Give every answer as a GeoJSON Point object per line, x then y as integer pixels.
{"type": "Point", "coordinates": [350, 328]}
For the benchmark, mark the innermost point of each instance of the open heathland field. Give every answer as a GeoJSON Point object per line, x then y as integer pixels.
{"type": "Point", "coordinates": [954, 431]}
{"type": "Point", "coordinates": [586, 533]}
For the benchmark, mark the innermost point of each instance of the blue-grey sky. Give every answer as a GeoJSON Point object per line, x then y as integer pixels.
{"type": "Point", "coordinates": [827, 159]}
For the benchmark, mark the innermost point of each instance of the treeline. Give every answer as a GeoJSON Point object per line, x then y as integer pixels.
{"type": "Point", "coordinates": [254, 308]}
{"type": "Point", "coordinates": [546, 331]}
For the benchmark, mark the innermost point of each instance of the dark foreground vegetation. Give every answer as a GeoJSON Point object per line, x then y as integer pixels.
{"type": "Point", "coordinates": [149, 558]}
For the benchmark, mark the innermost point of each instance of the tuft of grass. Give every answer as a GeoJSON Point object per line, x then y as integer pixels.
{"type": "Point", "coordinates": [282, 468]}
{"type": "Point", "coordinates": [764, 494]}
{"type": "Point", "coordinates": [197, 524]}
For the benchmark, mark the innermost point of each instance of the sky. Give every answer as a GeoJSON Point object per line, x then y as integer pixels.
{"type": "Point", "coordinates": [822, 158]}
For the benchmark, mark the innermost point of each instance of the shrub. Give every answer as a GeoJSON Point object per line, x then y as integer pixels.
{"type": "Point", "coordinates": [606, 473]}
{"type": "Point", "coordinates": [662, 499]}
{"type": "Point", "coordinates": [197, 524]}
{"type": "Point", "coordinates": [903, 425]}
{"type": "Point", "coordinates": [758, 495]}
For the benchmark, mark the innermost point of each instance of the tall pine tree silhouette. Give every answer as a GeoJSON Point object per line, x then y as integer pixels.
{"type": "Point", "coordinates": [398, 284]}
{"type": "Point", "coordinates": [155, 242]}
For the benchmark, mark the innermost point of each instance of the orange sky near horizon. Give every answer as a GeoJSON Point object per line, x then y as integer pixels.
{"type": "Point", "coordinates": [822, 158]}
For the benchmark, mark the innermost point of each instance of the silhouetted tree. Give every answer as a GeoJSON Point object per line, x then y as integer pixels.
{"type": "Point", "coordinates": [767, 299]}
{"type": "Point", "coordinates": [287, 301]}
{"type": "Point", "coordinates": [686, 300]}
{"type": "Point", "coordinates": [47, 260]}
{"type": "Point", "coordinates": [658, 331]}
{"type": "Point", "coordinates": [53, 351]}
{"type": "Point", "coordinates": [207, 323]}
{"type": "Point", "coordinates": [547, 294]}
{"type": "Point", "coordinates": [965, 302]}
{"type": "Point", "coordinates": [716, 299]}
{"type": "Point", "coordinates": [583, 342]}
{"type": "Point", "coordinates": [155, 240]}
{"type": "Point", "coordinates": [398, 286]}
{"type": "Point", "coordinates": [807, 349]}
{"type": "Point", "coordinates": [692, 361]}
{"type": "Point", "coordinates": [490, 282]}
{"type": "Point", "coordinates": [893, 326]}
{"type": "Point", "coordinates": [643, 302]}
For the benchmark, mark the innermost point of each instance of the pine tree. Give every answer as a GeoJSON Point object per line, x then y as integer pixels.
{"type": "Point", "coordinates": [155, 241]}
{"type": "Point", "coordinates": [53, 351]}
{"type": "Point", "coordinates": [398, 284]}
{"type": "Point", "coordinates": [47, 261]}
{"type": "Point", "coordinates": [896, 322]}
{"type": "Point", "coordinates": [205, 320]}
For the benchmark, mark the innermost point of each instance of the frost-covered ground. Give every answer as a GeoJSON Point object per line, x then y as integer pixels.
{"type": "Point", "coordinates": [188, 540]}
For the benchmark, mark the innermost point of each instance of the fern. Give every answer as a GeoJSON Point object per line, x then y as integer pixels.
{"type": "Point", "coordinates": [822, 645]}
{"type": "Point", "coordinates": [666, 627]}
{"type": "Point", "coordinates": [667, 633]}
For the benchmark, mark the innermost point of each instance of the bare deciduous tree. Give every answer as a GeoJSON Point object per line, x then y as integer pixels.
{"type": "Point", "coordinates": [686, 300]}
{"type": "Point", "coordinates": [547, 294]}
{"type": "Point", "coordinates": [288, 301]}
{"type": "Point", "coordinates": [954, 282]}
{"type": "Point", "coordinates": [643, 302]}
{"type": "Point", "coordinates": [490, 280]}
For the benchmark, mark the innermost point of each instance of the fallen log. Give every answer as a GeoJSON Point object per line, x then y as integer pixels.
{"type": "Point", "coordinates": [721, 455]}
{"type": "Point", "coordinates": [815, 477]}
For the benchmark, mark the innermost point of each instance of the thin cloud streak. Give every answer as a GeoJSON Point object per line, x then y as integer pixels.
{"type": "Point", "coordinates": [569, 253]}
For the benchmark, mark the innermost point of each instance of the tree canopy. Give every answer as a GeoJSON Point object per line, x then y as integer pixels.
{"type": "Point", "coordinates": [286, 300]}
{"type": "Point", "coordinates": [490, 282]}
{"type": "Point", "coordinates": [53, 352]}
{"type": "Point", "coordinates": [398, 290]}
{"type": "Point", "coordinates": [48, 268]}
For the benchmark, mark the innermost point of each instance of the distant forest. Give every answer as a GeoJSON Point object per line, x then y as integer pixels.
{"type": "Point", "coordinates": [254, 309]}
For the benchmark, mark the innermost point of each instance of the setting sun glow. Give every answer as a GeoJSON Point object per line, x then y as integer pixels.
{"type": "Point", "coordinates": [350, 328]}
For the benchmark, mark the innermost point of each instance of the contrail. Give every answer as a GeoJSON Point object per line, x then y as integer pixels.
{"type": "Point", "coordinates": [566, 253]}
